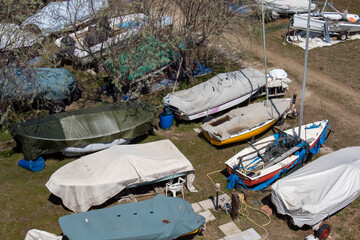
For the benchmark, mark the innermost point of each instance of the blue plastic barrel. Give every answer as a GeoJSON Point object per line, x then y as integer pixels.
{"type": "Point", "coordinates": [166, 121]}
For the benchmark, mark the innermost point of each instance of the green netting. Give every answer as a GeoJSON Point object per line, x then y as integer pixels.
{"type": "Point", "coordinates": [100, 124]}
{"type": "Point", "coordinates": [144, 58]}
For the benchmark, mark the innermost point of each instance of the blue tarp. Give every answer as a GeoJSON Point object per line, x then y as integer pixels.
{"type": "Point", "coordinates": [199, 70]}
{"type": "Point", "coordinates": [33, 165]}
{"type": "Point", "coordinates": [157, 218]}
{"type": "Point", "coordinates": [49, 83]}
{"type": "Point", "coordinates": [57, 16]}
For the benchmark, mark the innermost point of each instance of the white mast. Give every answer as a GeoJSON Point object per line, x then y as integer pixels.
{"type": "Point", "coordinates": [305, 69]}
{"type": "Point", "coordinates": [264, 36]}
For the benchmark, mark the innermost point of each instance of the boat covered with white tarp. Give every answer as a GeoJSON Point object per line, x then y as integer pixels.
{"type": "Point", "coordinates": [320, 188]}
{"type": "Point", "coordinates": [288, 6]}
{"type": "Point", "coordinates": [95, 178]}
{"type": "Point", "coordinates": [221, 92]}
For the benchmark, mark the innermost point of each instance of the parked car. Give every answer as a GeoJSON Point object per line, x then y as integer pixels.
{"type": "Point", "coordinates": [53, 88]}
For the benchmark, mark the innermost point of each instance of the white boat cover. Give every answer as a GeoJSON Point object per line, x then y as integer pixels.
{"type": "Point", "coordinates": [288, 6]}
{"type": "Point", "coordinates": [12, 37]}
{"type": "Point", "coordinates": [35, 234]}
{"type": "Point", "coordinates": [57, 16]}
{"type": "Point", "coordinates": [95, 178]}
{"type": "Point", "coordinates": [216, 91]}
{"type": "Point", "coordinates": [320, 188]}
{"type": "Point", "coordinates": [278, 78]}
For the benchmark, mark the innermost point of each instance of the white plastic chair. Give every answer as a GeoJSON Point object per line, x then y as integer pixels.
{"type": "Point", "coordinates": [175, 187]}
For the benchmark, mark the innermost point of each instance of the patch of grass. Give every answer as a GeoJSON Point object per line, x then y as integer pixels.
{"type": "Point", "coordinates": [186, 127]}
{"type": "Point", "coordinates": [5, 135]}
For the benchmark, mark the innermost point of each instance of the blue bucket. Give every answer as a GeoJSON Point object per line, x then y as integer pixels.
{"type": "Point", "coordinates": [35, 166]}
{"type": "Point", "coordinates": [166, 121]}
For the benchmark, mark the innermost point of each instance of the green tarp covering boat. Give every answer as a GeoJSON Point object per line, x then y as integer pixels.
{"type": "Point", "coordinates": [74, 131]}
{"type": "Point", "coordinates": [157, 218]}
{"type": "Point", "coordinates": [144, 59]}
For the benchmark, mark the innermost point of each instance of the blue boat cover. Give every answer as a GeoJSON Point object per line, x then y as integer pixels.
{"type": "Point", "coordinates": [157, 218]}
{"type": "Point", "coordinates": [49, 83]}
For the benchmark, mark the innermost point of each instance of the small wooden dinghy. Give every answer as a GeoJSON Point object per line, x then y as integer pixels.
{"type": "Point", "coordinates": [243, 123]}
{"type": "Point", "coordinates": [260, 164]}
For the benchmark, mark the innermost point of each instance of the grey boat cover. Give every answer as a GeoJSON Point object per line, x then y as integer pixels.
{"type": "Point", "coordinates": [159, 218]}
{"type": "Point", "coordinates": [95, 178]}
{"type": "Point", "coordinates": [57, 16]}
{"type": "Point", "coordinates": [320, 188]}
{"type": "Point", "coordinates": [245, 118]}
{"type": "Point", "coordinates": [216, 91]}
{"type": "Point", "coordinates": [99, 124]}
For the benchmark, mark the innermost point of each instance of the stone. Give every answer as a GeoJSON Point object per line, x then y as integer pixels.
{"type": "Point", "coordinates": [207, 215]}
{"type": "Point", "coordinates": [197, 208]}
{"type": "Point", "coordinates": [229, 228]}
{"type": "Point", "coordinates": [207, 204]}
{"type": "Point", "coordinates": [266, 209]}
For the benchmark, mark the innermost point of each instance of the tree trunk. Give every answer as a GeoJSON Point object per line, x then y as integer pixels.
{"type": "Point", "coordinates": [234, 205]}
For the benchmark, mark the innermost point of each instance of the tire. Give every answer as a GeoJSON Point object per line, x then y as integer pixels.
{"type": "Point", "coordinates": [294, 114]}
{"type": "Point", "coordinates": [342, 36]}
{"type": "Point", "coordinates": [57, 107]}
{"type": "Point", "coordinates": [323, 232]}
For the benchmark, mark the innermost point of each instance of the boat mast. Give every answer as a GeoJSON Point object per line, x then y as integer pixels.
{"type": "Point", "coordinates": [324, 7]}
{"type": "Point", "coordinates": [264, 36]}
{"type": "Point", "coordinates": [305, 69]}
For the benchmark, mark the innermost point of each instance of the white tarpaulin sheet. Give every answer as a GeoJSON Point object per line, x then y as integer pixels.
{"type": "Point", "coordinates": [218, 90]}
{"type": "Point", "coordinates": [35, 234]}
{"type": "Point", "coordinates": [288, 6]}
{"type": "Point", "coordinates": [316, 40]}
{"type": "Point", "coordinates": [95, 178]}
{"type": "Point", "coordinates": [319, 189]}
{"type": "Point", "coordinates": [278, 78]}
{"type": "Point", "coordinates": [11, 37]}
{"type": "Point", "coordinates": [57, 16]}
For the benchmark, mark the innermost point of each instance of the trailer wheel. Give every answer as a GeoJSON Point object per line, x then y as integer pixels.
{"type": "Point", "coordinates": [343, 36]}
{"type": "Point", "coordinates": [57, 107]}
{"type": "Point", "coordinates": [323, 232]}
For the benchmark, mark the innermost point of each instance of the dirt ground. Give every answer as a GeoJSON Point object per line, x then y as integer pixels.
{"type": "Point", "coordinates": [326, 97]}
